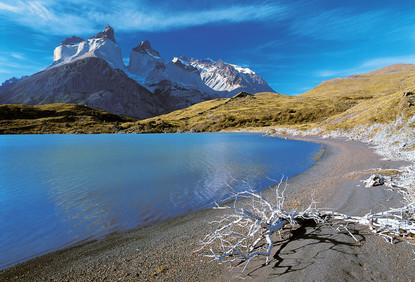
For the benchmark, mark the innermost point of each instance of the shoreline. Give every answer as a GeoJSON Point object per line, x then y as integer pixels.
{"type": "Point", "coordinates": [165, 251]}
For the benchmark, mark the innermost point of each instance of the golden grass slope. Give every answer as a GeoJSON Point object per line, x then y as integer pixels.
{"type": "Point", "coordinates": [338, 103]}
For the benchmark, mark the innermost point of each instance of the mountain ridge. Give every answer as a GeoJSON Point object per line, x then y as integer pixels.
{"type": "Point", "coordinates": [173, 84]}
{"type": "Point", "coordinates": [90, 81]}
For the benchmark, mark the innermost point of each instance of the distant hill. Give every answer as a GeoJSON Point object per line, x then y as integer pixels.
{"type": "Point", "coordinates": [57, 118]}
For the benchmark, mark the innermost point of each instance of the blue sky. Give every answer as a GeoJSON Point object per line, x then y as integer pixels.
{"type": "Point", "coordinates": [293, 45]}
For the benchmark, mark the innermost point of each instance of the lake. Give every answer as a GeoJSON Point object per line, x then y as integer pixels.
{"type": "Point", "coordinates": [59, 190]}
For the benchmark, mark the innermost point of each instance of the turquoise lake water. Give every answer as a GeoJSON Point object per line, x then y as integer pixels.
{"type": "Point", "coordinates": [58, 190]}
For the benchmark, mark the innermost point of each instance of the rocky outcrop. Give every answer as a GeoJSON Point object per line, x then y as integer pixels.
{"type": "Point", "coordinates": [145, 48]}
{"type": "Point", "coordinates": [72, 40]}
{"type": "Point", "coordinates": [107, 33]}
{"type": "Point", "coordinates": [12, 80]}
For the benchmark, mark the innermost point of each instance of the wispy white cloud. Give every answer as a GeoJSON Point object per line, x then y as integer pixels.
{"type": "Point", "coordinates": [347, 24]}
{"type": "Point", "coordinates": [45, 16]}
{"type": "Point", "coordinates": [6, 61]}
{"type": "Point", "coordinates": [339, 24]}
{"type": "Point", "coordinates": [233, 14]}
{"type": "Point", "coordinates": [382, 62]}
{"type": "Point", "coordinates": [17, 63]}
{"type": "Point", "coordinates": [10, 8]}
{"type": "Point", "coordinates": [367, 66]}
{"type": "Point", "coordinates": [330, 73]}
{"type": "Point", "coordinates": [18, 56]}
{"type": "Point", "coordinates": [4, 71]}
{"type": "Point", "coordinates": [81, 17]}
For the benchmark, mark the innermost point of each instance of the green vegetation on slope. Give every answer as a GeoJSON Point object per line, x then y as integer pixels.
{"type": "Point", "coordinates": [57, 118]}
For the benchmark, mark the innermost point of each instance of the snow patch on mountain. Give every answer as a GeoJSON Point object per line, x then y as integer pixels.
{"type": "Point", "coordinates": [97, 47]}
{"type": "Point", "coordinates": [143, 59]}
{"type": "Point", "coordinates": [204, 76]}
{"type": "Point", "coordinates": [221, 76]}
{"type": "Point", "coordinates": [174, 78]}
{"type": "Point", "coordinates": [101, 45]}
{"type": "Point", "coordinates": [243, 70]}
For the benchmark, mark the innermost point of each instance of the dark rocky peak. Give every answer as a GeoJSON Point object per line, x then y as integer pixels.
{"type": "Point", "coordinates": [184, 58]}
{"type": "Point", "coordinates": [145, 48]}
{"type": "Point", "coordinates": [241, 95]}
{"type": "Point", "coordinates": [220, 63]}
{"type": "Point", "coordinates": [72, 40]}
{"type": "Point", "coordinates": [208, 60]}
{"type": "Point", "coordinates": [13, 80]}
{"type": "Point", "coordinates": [204, 61]}
{"type": "Point", "coordinates": [108, 33]}
{"type": "Point", "coordinates": [185, 66]}
{"type": "Point", "coordinates": [10, 81]}
{"type": "Point", "coordinates": [227, 68]}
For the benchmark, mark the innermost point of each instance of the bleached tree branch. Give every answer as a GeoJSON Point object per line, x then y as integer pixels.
{"type": "Point", "coordinates": [245, 231]}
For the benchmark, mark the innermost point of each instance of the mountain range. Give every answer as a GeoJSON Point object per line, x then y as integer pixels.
{"type": "Point", "coordinates": [92, 73]}
{"type": "Point", "coordinates": [381, 96]}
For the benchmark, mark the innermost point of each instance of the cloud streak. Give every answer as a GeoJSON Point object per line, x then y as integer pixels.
{"type": "Point", "coordinates": [339, 24]}
{"type": "Point", "coordinates": [352, 24]}
{"type": "Point", "coordinates": [81, 17]}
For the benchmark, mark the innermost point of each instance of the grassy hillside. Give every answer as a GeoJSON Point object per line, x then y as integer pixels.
{"type": "Point", "coordinates": [340, 103]}
{"type": "Point", "coordinates": [377, 96]}
{"type": "Point", "coordinates": [57, 118]}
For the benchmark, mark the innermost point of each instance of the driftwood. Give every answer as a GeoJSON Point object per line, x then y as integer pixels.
{"type": "Point", "coordinates": [244, 232]}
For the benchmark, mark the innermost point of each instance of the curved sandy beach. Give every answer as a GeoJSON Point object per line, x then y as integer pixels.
{"type": "Point", "coordinates": [165, 252]}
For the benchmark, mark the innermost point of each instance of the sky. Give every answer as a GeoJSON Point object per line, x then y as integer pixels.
{"type": "Point", "coordinates": [293, 45]}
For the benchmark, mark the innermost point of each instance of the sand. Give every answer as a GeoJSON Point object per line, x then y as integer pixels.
{"type": "Point", "coordinates": [166, 251]}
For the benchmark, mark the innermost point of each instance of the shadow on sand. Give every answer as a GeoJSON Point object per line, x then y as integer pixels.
{"type": "Point", "coordinates": [300, 248]}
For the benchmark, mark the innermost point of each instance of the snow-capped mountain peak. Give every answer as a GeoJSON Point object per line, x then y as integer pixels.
{"type": "Point", "coordinates": [222, 76]}
{"type": "Point", "coordinates": [145, 48]}
{"type": "Point", "coordinates": [102, 45]}
{"type": "Point", "coordinates": [143, 59]}
{"type": "Point", "coordinates": [184, 65]}
{"type": "Point", "coordinates": [147, 67]}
